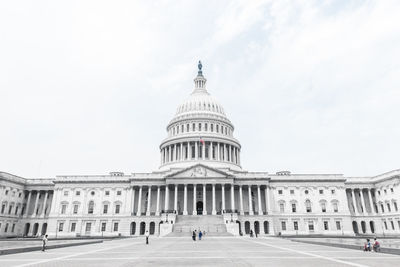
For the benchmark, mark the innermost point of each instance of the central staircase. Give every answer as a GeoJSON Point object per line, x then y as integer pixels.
{"type": "Point", "coordinates": [213, 225]}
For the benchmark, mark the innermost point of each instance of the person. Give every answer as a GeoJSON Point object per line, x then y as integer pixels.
{"type": "Point", "coordinates": [200, 235]}
{"type": "Point", "coordinates": [194, 236]}
{"type": "Point", "coordinates": [147, 237]}
{"type": "Point", "coordinates": [44, 242]}
{"type": "Point", "coordinates": [376, 247]}
{"type": "Point", "coordinates": [367, 245]}
{"type": "Point", "coordinates": [251, 233]}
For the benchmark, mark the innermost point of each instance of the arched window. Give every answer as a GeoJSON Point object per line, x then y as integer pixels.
{"type": "Point", "coordinates": [388, 206]}
{"type": "Point", "coordinates": [91, 207]}
{"type": "Point", "coordinates": [266, 227]}
{"type": "Point", "coordinates": [247, 227]}
{"type": "Point", "coordinates": [142, 228]}
{"type": "Point", "coordinates": [335, 206]}
{"type": "Point", "coordinates": [323, 205]}
{"type": "Point", "coordinates": [152, 228]}
{"type": "Point", "coordinates": [308, 206]}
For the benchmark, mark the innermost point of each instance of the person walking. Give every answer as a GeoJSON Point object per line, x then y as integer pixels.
{"type": "Point", "coordinates": [194, 236]}
{"type": "Point", "coordinates": [200, 235]}
{"type": "Point", "coordinates": [147, 237]}
{"type": "Point", "coordinates": [44, 242]}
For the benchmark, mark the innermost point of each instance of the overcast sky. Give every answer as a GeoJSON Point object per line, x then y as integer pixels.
{"type": "Point", "coordinates": [88, 87]}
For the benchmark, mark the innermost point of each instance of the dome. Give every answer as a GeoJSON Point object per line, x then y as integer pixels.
{"type": "Point", "coordinates": [200, 132]}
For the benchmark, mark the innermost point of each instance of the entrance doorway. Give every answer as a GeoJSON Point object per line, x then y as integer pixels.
{"type": "Point", "coordinates": [199, 207]}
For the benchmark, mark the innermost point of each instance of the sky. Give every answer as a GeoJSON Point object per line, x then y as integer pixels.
{"type": "Point", "coordinates": [88, 87]}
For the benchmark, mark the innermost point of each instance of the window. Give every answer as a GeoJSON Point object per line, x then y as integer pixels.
{"type": "Point", "coordinates": [6, 228]}
{"type": "Point", "coordinates": [326, 225]}
{"type": "Point", "coordinates": [115, 227]}
{"type": "Point", "coordinates": [187, 127]}
{"type": "Point", "coordinates": [61, 227]}
{"type": "Point", "coordinates": [16, 210]}
{"type": "Point", "coordinates": [212, 127]}
{"type": "Point", "coordinates": [385, 225]}
{"type": "Point", "coordinates": [6, 192]}
{"type": "Point", "coordinates": [65, 193]}
{"type": "Point", "coordinates": [283, 224]}
{"type": "Point", "coordinates": [63, 208]}
{"type": "Point", "coordinates": [379, 192]}
{"type": "Point", "coordinates": [296, 226]}
{"type": "Point", "coordinates": [291, 191]}
{"type": "Point", "coordinates": [206, 127]}
{"type": "Point", "coordinates": [88, 227]}
{"type": "Point", "coordinates": [3, 207]}
{"type": "Point", "coordinates": [103, 226]}
{"type": "Point", "coordinates": [182, 128]}
{"type": "Point", "coordinates": [338, 226]}
{"type": "Point", "coordinates": [105, 209]}
{"type": "Point", "coordinates": [107, 193]}
{"type": "Point", "coordinates": [384, 190]}
{"type": "Point", "coordinates": [13, 228]}
{"type": "Point", "coordinates": [91, 207]}
{"type": "Point", "coordinates": [311, 225]}
{"type": "Point", "coordinates": [293, 207]}
{"type": "Point", "coordinates": [382, 208]}
{"type": "Point", "coordinates": [308, 206]}
{"type": "Point", "coordinates": [388, 205]}
{"type": "Point", "coordinates": [280, 192]}
{"type": "Point", "coordinates": [217, 128]}
{"type": "Point", "coordinates": [92, 193]}
{"type": "Point", "coordinates": [391, 190]}
{"type": "Point", "coordinates": [321, 192]}
{"type": "Point", "coordinates": [394, 204]}
{"type": "Point", "coordinates": [333, 191]}
{"type": "Point", "coordinates": [117, 208]}
{"type": "Point", "coordinates": [282, 207]}
{"type": "Point", "coordinates": [76, 206]}
{"type": "Point", "coordinates": [391, 222]}
{"type": "Point", "coordinates": [193, 127]}
{"type": "Point", "coordinates": [77, 193]}
{"type": "Point", "coordinates": [20, 194]}
{"type": "Point", "coordinates": [323, 207]}
{"type": "Point", "coordinates": [10, 209]}
{"type": "Point", "coordinates": [118, 192]}
{"type": "Point", "coordinates": [199, 126]}
{"type": "Point", "coordinates": [306, 192]}
{"type": "Point", "coordinates": [73, 227]}
{"type": "Point", "coordinates": [335, 207]}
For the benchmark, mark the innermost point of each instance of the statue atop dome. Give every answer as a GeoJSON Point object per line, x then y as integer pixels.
{"type": "Point", "coordinates": [200, 66]}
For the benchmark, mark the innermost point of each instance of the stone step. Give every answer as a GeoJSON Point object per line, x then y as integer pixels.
{"type": "Point", "coordinates": [211, 224]}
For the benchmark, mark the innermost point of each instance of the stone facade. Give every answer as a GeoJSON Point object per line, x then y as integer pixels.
{"type": "Point", "coordinates": [200, 174]}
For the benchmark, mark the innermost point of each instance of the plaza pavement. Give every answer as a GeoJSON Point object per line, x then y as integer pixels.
{"type": "Point", "coordinates": [212, 251]}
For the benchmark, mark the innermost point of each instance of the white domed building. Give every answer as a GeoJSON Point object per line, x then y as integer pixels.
{"type": "Point", "coordinates": [200, 185]}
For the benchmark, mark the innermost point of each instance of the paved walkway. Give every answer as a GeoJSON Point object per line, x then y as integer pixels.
{"type": "Point", "coordinates": [218, 251]}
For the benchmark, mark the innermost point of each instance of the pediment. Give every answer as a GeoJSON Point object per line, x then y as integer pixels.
{"type": "Point", "coordinates": [199, 171]}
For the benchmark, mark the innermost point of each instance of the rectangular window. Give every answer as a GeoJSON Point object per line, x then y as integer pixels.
{"type": "Point", "coordinates": [73, 227]}
{"type": "Point", "coordinates": [338, 226]}
{"type": "Point", "coordinates": [119, 193]}
{"type": "Point", "coordinates": [63, 208]}
{"type": "Point", "coordinates": [385, 225]}
{"type": "Point", "coordinates": [117, 208]}
{"type": "Point", "coordinates": [295, 226]}
{"type": "Point", "coordinates": [107, 193]}
{"type": "Point", "coordinates": [105, 209]}
{"type": "Point", "coordinates": [283, 226]}
{"type": "Point", "coordinates": [391, 190]}
{"type": "Point", "coordinates": [323, 207]}
{"type": "Point", "coordinates": [88, 227]}
{"type": "Point", "coordinates": [78, 193]}
{"type": "Point", "coordinates": [199, 126]}
{"type": "Point", "coordinates": [103, 226]}
{"type": "Point", "coordinates": [16, 210]}
{"type": "Point", "coordinates": [311, 225]}
{"type": "Point", "coordinates": [10, 209]}
{"type": "Point", "coordinates": [282, 207]}
{"type": "Point", "coordinates": [335, 207]}
{"type": "Point", "coordinates": [321, 192]}
{"type": "Point", "coordinates": [6, 228]}
{"type": "Point", "coordinates": [13, 228]}
{"type": "Point", "coordinates": [61, 227]}
{"type": "Point", "coordinates": [65, 193]}
{"type": "Point", "coordinates": [3, 207]}
{"type": "Point", "coordinates": [292, 192]}
{"type": "Point", "coordinates": [293, 207]}
{"type": "Point", "coordinates": [205, 127]}
{"type": "Point", "coordinates": [280, 192]}
{"type": "Point", "coordinates": [326, 225]}
{"type": "Point", "coordinates": [76, 206]}
{"type": "Point", "coordinates": [333, 191]}
{"type": "Point", "coordinates": [115, 227]}
{"type": "Point", "coordinates": [392, 223]}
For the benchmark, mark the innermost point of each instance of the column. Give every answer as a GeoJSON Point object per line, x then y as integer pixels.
{"type": "Point", "coordinates": [210, 152]}
{"type": "Point", "coordinates": [238, 156]}
{"type": "Point", "coordinates": [185, 200]}
{"type": "Point", "coordinates": [148, 201]}
{"type": "Point", "coordinates": [169, 154]}
{"type": "Point", "coordinates": [269, 199]}
{"type": "Point", "coordinates": [133, 201]}
{"type": "Point", "coordinates": [354, 201]}
{"type": "Point", "coordinates": [230, 153]}
{"type": "Point", "coordinates": [204, 200]}
{"type": "Point", "coordinates": [45, 203]}
{"type": "Point", "coordinates": [158, 201]}
{"type": "Point", "coordinates": [223, 198]}
{"type": "Point", "coordinates": [194, 200]}
{"type": "Point", "coordinates": [233, 197]}
{"type": "Point", "coordinates": [218, 152]}
{"type": "Point", "coordinates": [176, 199]}
{"type": "Point", "coordinates": [214, 211]}
{"type": "Point", "coordinates": [260, 212]}
{"type": "Point", "coordinates": [266, 199]}
{"type": "Point", "coordinates": [362, 201]}
{"type": "Point", "coordinates": [28, 203]}
{"type": "Point", "coordinates": [36, 203]}
{"type": "Point", "coordinates": [174, 159]}
{"type": "Point", "coordinates": [241, 200]}
{"type": "Point", "coordinates": [189, 150]}
{"type": "Point", "coordinates": [250, 202]}
{"type": "Point", "coordinates": [225, 158]}
{"type": "Point", "coordinates": [371, 203]}
{"type": "Point", "coordinates": [196, 150]}
{"type": "Point", "coordinates": [166, 205]}
{"type": "Point", "coordinates": [181, 156]}
{"type": "Point", "coordinates": [203, 153]}
{"type": "Point", "coordinates": [139, 208]}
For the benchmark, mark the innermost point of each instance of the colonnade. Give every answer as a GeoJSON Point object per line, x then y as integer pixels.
{"type": "Point", "coordinates": [44, 210]}
{"type": "Point", "coordinates": [196, 150]}
{"type": "Point", "coordinates": [358, 201]}
{"type": "Point", "coordinates": [225, 193]}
